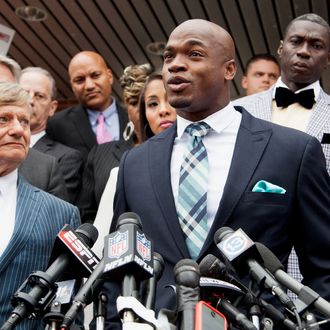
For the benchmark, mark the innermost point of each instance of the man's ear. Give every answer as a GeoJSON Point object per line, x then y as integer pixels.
{"type": "Point", "coordinates": [280, 49]}
{"type": "Point", "coordinates": [230, 69]}
{"type": "Point", "coordinates": [53, 108]}
{"type": "Point", "coordinates": [244, 82]}
{"type": "Point", "coordinates": [110, 76]}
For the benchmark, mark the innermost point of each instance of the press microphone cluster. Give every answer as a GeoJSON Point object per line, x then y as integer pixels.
{"type": "Point", "coordinates": [70, 253]}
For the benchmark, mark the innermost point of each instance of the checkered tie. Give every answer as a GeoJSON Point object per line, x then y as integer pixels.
{"type": "Point", "coordinates": [192, 198]}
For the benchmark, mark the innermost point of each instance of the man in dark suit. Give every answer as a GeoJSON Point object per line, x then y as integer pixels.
{"type": "Point", "coordinates": [98, 118]}
{"type": "Point", "coordinates": [41, 86]}
{"type": "Point", "coordinates": [304, 54]}
{"type": "Point", "coordinates": [30, 217]}
{"type": "Point", "coordinates": [243, 154]}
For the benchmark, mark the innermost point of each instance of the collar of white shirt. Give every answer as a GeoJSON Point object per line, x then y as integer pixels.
{"type": "Point", "coordinates": [36, 137]}
{"type": "Point", "coordinates": [218, 121]}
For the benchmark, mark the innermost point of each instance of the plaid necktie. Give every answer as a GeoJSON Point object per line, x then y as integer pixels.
{"type": "Point", "coordinates": [192, 197]}
{"type": "Point", "coordinates": [102, 134]}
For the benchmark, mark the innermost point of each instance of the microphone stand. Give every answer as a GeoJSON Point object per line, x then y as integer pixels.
{"type": "Point", "coordinates": [54, 317]}
{"type": "Point", "coordinates": [100, 310]}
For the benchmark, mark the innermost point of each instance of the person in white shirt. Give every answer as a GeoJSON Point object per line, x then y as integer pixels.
{"type": "Point", "coordinates": [30, 217]}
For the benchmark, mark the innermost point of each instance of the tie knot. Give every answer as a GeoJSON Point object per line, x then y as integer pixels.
{"type": "Point", "coordinates": [199, 129]}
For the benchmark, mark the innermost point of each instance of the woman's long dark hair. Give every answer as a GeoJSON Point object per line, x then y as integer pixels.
{"type": "Point", "coordinates": [146, 132]}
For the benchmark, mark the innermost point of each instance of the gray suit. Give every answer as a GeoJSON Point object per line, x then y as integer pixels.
{"type": "Point", "coordinates": [39, 218]}
{"type": "Point", "coordinates": [70, 162]}
{"type": "Point", "coordinates": [43, 171]}
{"type": "Point", "coordinates": [260, 106]}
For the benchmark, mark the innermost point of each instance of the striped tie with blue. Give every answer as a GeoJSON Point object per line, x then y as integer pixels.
{"type": "Point", "coordinates": [192, 196]}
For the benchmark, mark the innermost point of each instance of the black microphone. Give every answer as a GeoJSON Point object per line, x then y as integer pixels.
{"type": "Point", "coordinates": [152, 282]}
{"type": "Point", "coordinates": [212, 266]}
{"type": "Point", "coordinates": [128, 257]}
{"type": "Point", "coordinates": [42, 284]}
{"type": "Point", "coordinates": [304, 293]}
{"type": "Point", "coordinates": [241, 251]}
{"type": "Point", "coordinates": [186, 274]}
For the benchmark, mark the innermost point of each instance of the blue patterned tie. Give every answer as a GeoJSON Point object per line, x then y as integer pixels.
{"type": "Point", "coordinates": [192, 197]}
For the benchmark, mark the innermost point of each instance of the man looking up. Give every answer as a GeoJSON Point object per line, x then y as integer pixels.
{"type": "Point", "coordinates": [261, 72]}
{"type": "Point", "coordinates": [98, 118]}
{"type": "Point", "coordinates": [237, 158]}
{"type": "Point", "coordinates": [30, 217]}
{"type": "Point", "coordinates": [42, 88]}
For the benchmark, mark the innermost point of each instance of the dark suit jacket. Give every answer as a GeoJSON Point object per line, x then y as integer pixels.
{"type": "Point", "coordinates": [70, 161]}
{"type": "Point", "coordinates": [39, 218]}
{"type": "Point", "coordinates": [72, 128]}
{"type": "Point", "coordinates": [43, 172]}
{"type": "Point", "coordinates": [101, 160]}
{"type": "Point", "coordinates": [263, 151]}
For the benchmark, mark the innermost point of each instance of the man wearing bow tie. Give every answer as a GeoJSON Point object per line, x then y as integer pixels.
{"type": "Point", "coordinates": [297, 100]}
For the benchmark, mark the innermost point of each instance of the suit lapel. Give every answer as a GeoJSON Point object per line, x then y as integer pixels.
{"type": "Point", "coordinates": [160, 150]}
{"type": "Point", "coordinates": [80, 120]}
{"type": "Point", "coordinates": [27, 210]}
{"type": "Point", "coordinates": [44, 144]}
{"type": "Point", "coordinates": [320, 116]}
{"type": "Point", "coordinates": [251, 142]}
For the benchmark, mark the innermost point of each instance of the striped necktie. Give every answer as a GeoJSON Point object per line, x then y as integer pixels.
{"type": "Point", "coordinates": [192, 196]}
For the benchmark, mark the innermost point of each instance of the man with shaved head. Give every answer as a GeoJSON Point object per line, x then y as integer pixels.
{"type": "Point", "coordinates": [98, 118]}
{"type": "Point", "coordinates": [219, 166]}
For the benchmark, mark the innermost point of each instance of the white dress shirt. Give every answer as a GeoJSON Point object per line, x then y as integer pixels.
{"type": "Point", "coordinates": [219, 143]}
{"type": "Point", "coordinates": [8, 198]}
{"type": "Point", "coordinates": [36, 137]}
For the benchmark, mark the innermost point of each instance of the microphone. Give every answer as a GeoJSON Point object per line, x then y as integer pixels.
{"type": "Point", "coordinates": [129, 251]}
{"type": "Point", "coordinates": [42, 284]}
{"type": "Point", "coordinates": [152, 282]}
{"type": "Point", "coordinates": [186, 274]}
{"type": "Point", "coordinates": [304, 293]}
{"type": "Point", "coordinates": [240, 250]}
{"type": "Point", "coordinates": [213, 267]}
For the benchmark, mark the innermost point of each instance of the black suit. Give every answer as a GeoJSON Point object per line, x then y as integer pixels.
{"type": "Point", "coordinates": [101, 160]}
{"type": "Point", "coordinates": [70, 161]}
{"type": "Point", "coordinates": [43, 172]}
{"type": "Point", "coordinates": [263, 151]}
{"type": "Point", "coordinates": [72, 128]}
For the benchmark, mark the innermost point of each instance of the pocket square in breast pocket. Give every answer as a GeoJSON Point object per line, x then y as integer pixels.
{"type": "Point", "coordinates": [267, 187]}
{"type": "Point", "coordinates": [326, 138]}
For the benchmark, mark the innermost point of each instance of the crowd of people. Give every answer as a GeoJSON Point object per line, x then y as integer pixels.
{"type": "Point", "coordinates": [179, 153]}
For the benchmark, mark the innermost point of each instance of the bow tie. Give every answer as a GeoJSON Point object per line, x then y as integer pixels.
{"type": "Point", "coordinates": [284, 97]}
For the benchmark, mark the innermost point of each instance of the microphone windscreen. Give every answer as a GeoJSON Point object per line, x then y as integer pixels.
{"type": "Point", "coordinates": [207, 265]}
{"type": "Point", "coordinates": [158, 265]}
{"type": "Point", "coordinates": [129, 218]}
{"type": "Point", "coordinates": [270, 261]}
{"type": "Point", "coordinates": [88, 233]}
{"type": "Point", "coordinates": [221, 233]}
{"type": "Point", "coordinates": [186, 272]}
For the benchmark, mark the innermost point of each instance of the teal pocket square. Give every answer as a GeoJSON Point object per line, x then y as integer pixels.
{"type": "Point", "coordinates": [264, 186]}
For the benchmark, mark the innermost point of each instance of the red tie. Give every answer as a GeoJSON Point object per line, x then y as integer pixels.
{"type": "Point", "coordinates": [102, 134]}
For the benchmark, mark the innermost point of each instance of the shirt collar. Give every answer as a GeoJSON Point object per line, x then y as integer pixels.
{"type": "Point", "coordinates": [108, 112]}
{"type": "Point", "coordinates": [218, 121]}
{"type": "Point", "coordinates": [36, 137]}
{"type": "Point", "coordinates": [8, 181]}
{"type": "Point", "coordinates": [315, 86]}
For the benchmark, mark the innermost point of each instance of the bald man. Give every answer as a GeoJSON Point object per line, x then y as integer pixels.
{"type": "Point", "coordinates": [247, 158]}
{"type": "Point", "coordinates": [98, 118]}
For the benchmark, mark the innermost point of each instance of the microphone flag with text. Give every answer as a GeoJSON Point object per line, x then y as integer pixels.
{"type": "Point", "coordinates": [71, 252]}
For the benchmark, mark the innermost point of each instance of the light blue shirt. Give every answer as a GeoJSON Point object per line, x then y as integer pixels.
{"type": "Point", "coordinates": [111, 120]}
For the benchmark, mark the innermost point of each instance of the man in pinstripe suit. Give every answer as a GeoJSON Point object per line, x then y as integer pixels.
{"type": "Point", "coordinates": [304, 55]}
{"type": "Point", "coordinates": [30, 218]}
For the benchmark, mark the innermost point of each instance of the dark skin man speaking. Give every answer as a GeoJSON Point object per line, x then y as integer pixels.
{"type": "Point", "coordinates": [181, 209]}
